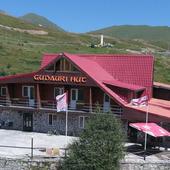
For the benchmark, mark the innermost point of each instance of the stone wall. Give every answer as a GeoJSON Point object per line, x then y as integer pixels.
{"type": "Point", "coordinates": [41, 121]}
{"type": "Point", "coordinates": [162, 165]}
{"type": "Point", "coordinates": [52, 164]}
{"type": "Point", "coordinates": [15, 117]}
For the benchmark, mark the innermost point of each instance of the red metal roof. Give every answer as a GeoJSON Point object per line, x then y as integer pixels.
{"type": "Point", "coordinates": [47, 58]}
{"type": "Point", "coordinates": [127, 68]}
{"type": "Point", "coordinates": [124, 85]}
{"type": "Point", "coordinates": [18, 77]}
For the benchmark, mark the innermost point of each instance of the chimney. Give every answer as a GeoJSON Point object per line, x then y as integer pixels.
{"type": "Point", "coordinates": [101, 41]}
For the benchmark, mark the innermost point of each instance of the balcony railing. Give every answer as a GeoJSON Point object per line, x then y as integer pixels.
{"type": "Point", "coordinates": [51, 105]}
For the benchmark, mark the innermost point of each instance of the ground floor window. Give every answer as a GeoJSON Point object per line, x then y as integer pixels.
{"type": "Point", "coordinates": [82, 121]}
{"type": "Point", "coordinates": [52, 118]}
{"type": "Point", "coordinates": [3, 91]}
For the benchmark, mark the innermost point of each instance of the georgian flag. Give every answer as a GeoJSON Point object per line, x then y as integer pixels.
{"type": "Point", "coordinates": [142, 101]}
{"type": "Point", "coordinates": [61, 101]}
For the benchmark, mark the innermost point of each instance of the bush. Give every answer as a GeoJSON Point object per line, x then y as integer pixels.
{"type": "Point", "coordinates": [100, 146]}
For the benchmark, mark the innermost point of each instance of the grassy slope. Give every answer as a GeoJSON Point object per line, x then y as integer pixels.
{"type": "Point", "coordinates": [22, 52]}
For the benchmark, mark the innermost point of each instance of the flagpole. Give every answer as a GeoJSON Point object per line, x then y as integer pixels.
{"type": "Point", "coordinates": [66, 132]}
{"type": "Point", "coordinates": [66, 121]}
{"type": "Point", "coordinates": [146, 121]}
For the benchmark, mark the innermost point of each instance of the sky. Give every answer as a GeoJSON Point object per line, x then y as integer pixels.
{"type": "Point", "coordinates": [87, 15]}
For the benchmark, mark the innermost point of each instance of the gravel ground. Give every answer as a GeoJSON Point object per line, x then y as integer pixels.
{"type": "Point", "coordinates": [44, 143]}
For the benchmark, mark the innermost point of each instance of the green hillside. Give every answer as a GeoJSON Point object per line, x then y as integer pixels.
{"type": "Point", "coordinates": [40, 21]}
{"type": "Point", "coordinates": [21, 52]}
{"type": "Point", "coordinates": [150, 33]}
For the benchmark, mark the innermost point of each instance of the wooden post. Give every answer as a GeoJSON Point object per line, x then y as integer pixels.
{"type": "Point", "coordinates": [38, 97]}
{"type": "Point", "coordinates": [90, 101]}
{"type": "Point", "coordinates": [8, 96]}
{"type": "Point", "coordinates": [31, 148]}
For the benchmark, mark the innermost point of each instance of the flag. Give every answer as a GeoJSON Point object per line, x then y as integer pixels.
{"type": "Point", "coordinates": [61, 102]}
{"type": "Point", "coordinates": [142, 101]}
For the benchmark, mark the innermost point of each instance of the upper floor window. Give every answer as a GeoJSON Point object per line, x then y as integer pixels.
{"type": "Point", "coordinates": [3, 91]}
{"type": "Point", "coordinates": [62, 65]}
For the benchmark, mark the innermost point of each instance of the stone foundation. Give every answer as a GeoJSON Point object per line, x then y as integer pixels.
{"type": "Point", "coordinates": [13, 119]}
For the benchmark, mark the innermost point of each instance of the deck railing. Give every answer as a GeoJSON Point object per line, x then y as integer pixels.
{"type": "Point", "coordinates": [51, 105]}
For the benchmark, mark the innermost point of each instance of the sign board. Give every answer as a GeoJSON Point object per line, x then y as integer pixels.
{"type": "Point", "coordinates": [64, 79]}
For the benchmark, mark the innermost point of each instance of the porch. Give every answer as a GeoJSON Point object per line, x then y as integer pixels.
{"type": "Point", "coordinates": [51, 106]}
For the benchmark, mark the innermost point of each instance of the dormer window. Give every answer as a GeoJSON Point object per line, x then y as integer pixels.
{"type": "Point", "coordinates": [62, 65]}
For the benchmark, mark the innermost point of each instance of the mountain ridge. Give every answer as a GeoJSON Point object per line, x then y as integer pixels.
{"type": "Point", "coordinates": [40, 21]}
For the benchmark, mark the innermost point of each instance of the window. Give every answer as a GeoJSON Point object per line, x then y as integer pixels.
{"type": "Point", "coordinates": [77, 94]}
{"type": "Point", "coordinates": [82, 121]}
{"type": "Point", "coordinates": [28, 91]}
{"type": "Point", "coordinates": [25, 91]}
{"type": "Point", "coordinates": [64, 65]}
{"type": "Point", "coordinates": [50, 119]}
{"type": "Point", "coordinates": [57, 65]}
{"type": "Point", "coordinates": [3, 91]}
{"type": "Point", "coordinates": [80, 95]}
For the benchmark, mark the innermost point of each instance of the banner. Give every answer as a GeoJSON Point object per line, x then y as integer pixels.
{"type": "Point", "coordinates": [142, 101]}
{"type": "Point", "coordinates": [61, 101]}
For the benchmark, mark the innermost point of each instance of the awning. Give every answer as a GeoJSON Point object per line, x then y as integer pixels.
{"type": "Point", "coordinates": [150, 128]}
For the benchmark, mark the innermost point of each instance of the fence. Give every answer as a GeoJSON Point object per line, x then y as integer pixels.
{"type": "Point", "coordinates": [29, 151]}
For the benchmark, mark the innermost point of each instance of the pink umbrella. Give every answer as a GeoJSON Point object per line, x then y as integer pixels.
{"type": "Point", "coordinates": [150, 128]}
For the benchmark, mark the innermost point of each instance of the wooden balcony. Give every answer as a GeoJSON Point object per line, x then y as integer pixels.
{"type": "Point", "coordinates": [51, 105]}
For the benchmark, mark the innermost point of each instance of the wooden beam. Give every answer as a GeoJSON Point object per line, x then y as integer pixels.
{"type": "Point", "coordinates": [90, 101]}
{"type": "Point", "coordinates": [38, 97]}
{"type": "Point", "coordinates": [8, 96]}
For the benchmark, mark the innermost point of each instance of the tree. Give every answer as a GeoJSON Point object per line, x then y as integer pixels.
{"type": "Point", "coordinates": [100, 145]}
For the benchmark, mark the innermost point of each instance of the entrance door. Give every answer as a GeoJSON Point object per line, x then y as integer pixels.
{"type": "Point", "coordinates": [106, 103]}
{"type": "Point", "coordinates": [27, 122]}
{"type": "Point", "coordinates": [74, 98]}
{"type": "Point", "coordinates": [28, 92]}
